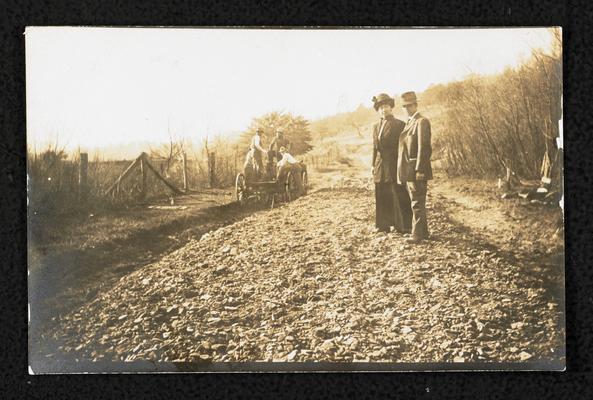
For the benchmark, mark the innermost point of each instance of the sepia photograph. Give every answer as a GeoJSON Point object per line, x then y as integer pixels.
{"type": "Point", "coordinates": [294, 199]}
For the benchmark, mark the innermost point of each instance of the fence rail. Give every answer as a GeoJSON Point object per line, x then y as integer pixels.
{"type": "Point", "coordinates": [58, 184]}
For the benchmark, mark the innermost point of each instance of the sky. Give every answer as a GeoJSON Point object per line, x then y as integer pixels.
{"type": "Point", "coordinates": [96, 87]}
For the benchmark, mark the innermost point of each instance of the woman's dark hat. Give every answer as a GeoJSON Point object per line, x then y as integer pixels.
{"type": "Point", "coordinates": [382, 98]}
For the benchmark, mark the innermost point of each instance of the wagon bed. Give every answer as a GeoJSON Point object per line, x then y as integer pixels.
{"type": "Point", "coordinates": [269, 191]}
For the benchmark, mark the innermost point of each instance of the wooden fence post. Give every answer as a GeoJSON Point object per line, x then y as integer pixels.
{"type": "Point", "coordinates": [212, 168]}
{"type": "Point", "coordinates": [235, 162]}
{"type": "Point", "coordinates": [143, 172]}
{"type": "Point", "coordinates": [83, 169]}
{"type": "Point", "coordinates": [184, 162]}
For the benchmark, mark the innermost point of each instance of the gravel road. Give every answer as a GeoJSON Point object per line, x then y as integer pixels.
{"type": "Point", "coordinates": [311, 281]}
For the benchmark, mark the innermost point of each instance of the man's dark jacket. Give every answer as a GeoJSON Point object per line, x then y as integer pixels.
{"type": "Point", "coordinates": [415, 150]}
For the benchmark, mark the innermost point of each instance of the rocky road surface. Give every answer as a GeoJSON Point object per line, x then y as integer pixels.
{"type": "Point", "coordinates": [311, 281]}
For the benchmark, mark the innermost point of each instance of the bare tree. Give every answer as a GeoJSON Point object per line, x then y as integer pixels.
{"type": "Point", "coordinates": [509, 120]}
{"type": "Point", "coordinates": [550, 90]}
{"type": "Point", "coordinates": [169, 152]}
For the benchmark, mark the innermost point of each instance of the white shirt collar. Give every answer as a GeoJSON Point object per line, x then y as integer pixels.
{"type": "Point", "coordinates": [411, 117]}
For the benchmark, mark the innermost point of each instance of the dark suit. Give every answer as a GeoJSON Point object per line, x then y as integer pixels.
{"type": "Point", "coordinates": [414, 169]}
{"type": "Point", "coordinates": [280, 142]}
{"type": "Point", "coordinates": [391, 200]}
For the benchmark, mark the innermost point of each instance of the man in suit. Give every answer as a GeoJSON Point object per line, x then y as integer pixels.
{"type": "Point", "coordinates": [391, 199]}
{"type": "Point", "coordinates": [413, 168]}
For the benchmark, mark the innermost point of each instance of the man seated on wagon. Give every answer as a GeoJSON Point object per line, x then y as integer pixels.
{"type": "Point", "coordinates": [278, 142]}
{"type": "Point", "coordinates": [289, 163]}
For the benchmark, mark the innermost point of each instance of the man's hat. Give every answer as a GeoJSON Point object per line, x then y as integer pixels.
{"type": "Point", "coordinates": [382, 98]}
{"type": "Point", "coordinates": [259, 130]}
{"type": "Point", "coordinates": [409, 98]}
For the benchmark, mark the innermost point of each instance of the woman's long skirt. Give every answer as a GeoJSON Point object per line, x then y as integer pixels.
{"type": "Point", "coordinates": [393, 207]}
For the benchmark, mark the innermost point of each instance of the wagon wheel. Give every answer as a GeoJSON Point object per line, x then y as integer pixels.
{"type": "Point", "coordinates": [241, 189]}
{"type": "Point", "coordinates": [305, 181]}
{"type": "Point", "coordinates": [291, 189]}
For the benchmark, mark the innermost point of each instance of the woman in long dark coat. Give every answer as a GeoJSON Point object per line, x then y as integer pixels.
{"type": "Point", "coordinates": [391, 199]}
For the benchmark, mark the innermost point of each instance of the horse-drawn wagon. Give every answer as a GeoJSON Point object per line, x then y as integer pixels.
{"type": "Point", "coordinates": [269, 186]}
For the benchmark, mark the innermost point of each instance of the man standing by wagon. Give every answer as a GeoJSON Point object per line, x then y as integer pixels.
{"type": "Point", "coordinates": [414, 169]}
{"type": "Point", "coordinates": [257, 151]}
{"type": "Point", "coordinates": [392, 203]}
